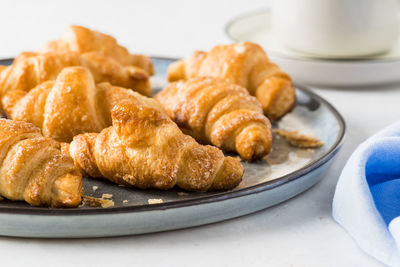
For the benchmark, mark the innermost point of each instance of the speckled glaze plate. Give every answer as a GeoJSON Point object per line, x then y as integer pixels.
{"type": "Point", "coordinates": [285, 173]}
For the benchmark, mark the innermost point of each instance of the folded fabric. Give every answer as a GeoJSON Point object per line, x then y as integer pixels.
{"type": "Point", "coordinates": [367, 197]}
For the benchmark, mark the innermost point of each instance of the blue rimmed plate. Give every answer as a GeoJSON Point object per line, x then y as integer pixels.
{"type": "Point", "coordinates": [285, 173]}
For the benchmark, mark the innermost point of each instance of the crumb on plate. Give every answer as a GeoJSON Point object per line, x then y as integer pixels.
{"type": "Point", "coordinates": [97, 202]}
{"type": "Point", "coordinates": [182, 194]}
{"type": "Point", "coordinates": [125, 201]}
{"type": "Point", "coordinates": [107, 203]}
{"type": "Point", "coordinates": [107, 196]}
{"type": "Point", "coordinates": [95, 187]}
{"type": "Point", "coordinates": [299, 140]}
{"type": "Point", "coordinates": [155, 200]}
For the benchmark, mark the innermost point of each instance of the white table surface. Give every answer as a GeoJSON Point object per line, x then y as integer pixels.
{"type": "Point", "coordinates": [299, 232]}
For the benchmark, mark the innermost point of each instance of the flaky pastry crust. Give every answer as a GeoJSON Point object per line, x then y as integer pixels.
{"type": "Point", "coordinates": [145, 149]}
{"type": "Point", "coordinates": [217, 112]}
{"type": "Point", "coordinates": [245, 64]}
{"type": "Point", "coordinates": [70, 105]}
{"type": "Point", "coordinates": [31, 69]}
{"type": "Point", "coordinates": [82, 40]}
{"type": "Point", "coordinates": [33, 169]}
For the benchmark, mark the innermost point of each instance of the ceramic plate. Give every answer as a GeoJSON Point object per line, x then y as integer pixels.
{"type": "Point", "coordinates": [313, 70]}
{"type": "Point", "coordinates": [285, 173]}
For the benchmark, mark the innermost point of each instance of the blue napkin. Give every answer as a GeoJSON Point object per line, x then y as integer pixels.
{"type": "Point", "coordinates": [367, 197]}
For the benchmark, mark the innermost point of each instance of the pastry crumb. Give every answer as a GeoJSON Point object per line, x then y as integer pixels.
{"type": "Point", "coordinates": [239, 158]}
{"type": "Point", "coordinates": [125, 201]}
{"type": "Point", "coordinates": [107, 196]}
{"type": "Point", "coordinates": [1, 198]}
{"type": "Point", "coordinates": [107, 203]}
{"type": "Point", "coordinates": [155, 200]}
{"type": "Point", "coordinates": [182, 194]}
{"type": "Point", "coordinates": [95, 187]}
{"type": "Point", "coordinates": [97, 202]}
{"type": "Point", "coordinates": [299, 140]}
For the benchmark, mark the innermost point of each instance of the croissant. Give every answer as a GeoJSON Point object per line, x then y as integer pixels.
{"type": "Point", "coordinates": [31, 69]}
{"type": "Point", "coordinates": [33, 168]}
{"type": "Point", "coordinates": [71, 105]}
{"type": "Point", "coordinates": [245, 64]}
{"type": "Point", "coordinates": [82, 40]}
{"type": "Point", "coordinates": [221, 113]}
{"type": "Point", "coordinates": [145, 149]}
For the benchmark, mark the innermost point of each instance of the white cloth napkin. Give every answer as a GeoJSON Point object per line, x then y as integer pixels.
{"type": "Point", "coordinates": [367, 197]}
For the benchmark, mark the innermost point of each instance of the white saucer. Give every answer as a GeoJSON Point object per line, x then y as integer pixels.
{"type": "Point", "coordinates": [309, 69]}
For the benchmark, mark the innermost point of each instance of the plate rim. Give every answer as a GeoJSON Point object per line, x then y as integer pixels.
{"type": "Point", "coordinates": [203, 199]}
{"type": "Point", "coordinates": [348, 61]}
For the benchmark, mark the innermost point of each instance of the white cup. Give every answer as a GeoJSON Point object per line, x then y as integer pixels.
{"type": "Point", "coordinates": [337, 28]}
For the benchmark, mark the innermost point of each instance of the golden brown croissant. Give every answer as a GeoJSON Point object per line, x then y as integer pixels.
{"type": "Point", "coordinates": [31, 69]}
{"type": "Point", "coordinates": [71, 105]}
{"type": "Point", "coordinates": [221, 113]}
{"type": "Point", "coordinates": [32, 168]}
{"type": "Point", "coordinates": [82, 40]}
{"type": "Point", "coordinates": [145, 149]}
{"type": "Point", "coordinates": [245, 64]}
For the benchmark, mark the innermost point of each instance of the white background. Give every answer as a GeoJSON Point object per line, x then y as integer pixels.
{"type": "Point", "coordinates": [299, 232]}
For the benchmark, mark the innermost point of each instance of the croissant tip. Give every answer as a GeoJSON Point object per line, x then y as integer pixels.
{"type": "Point", "coordinates": [255, 152]}
{"type": "Point", "coordinates": [68, 190]}
{"type": "Point", "coordinates": [229, 176]}
{"type": "Point", "coordinates": [176, 71]}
